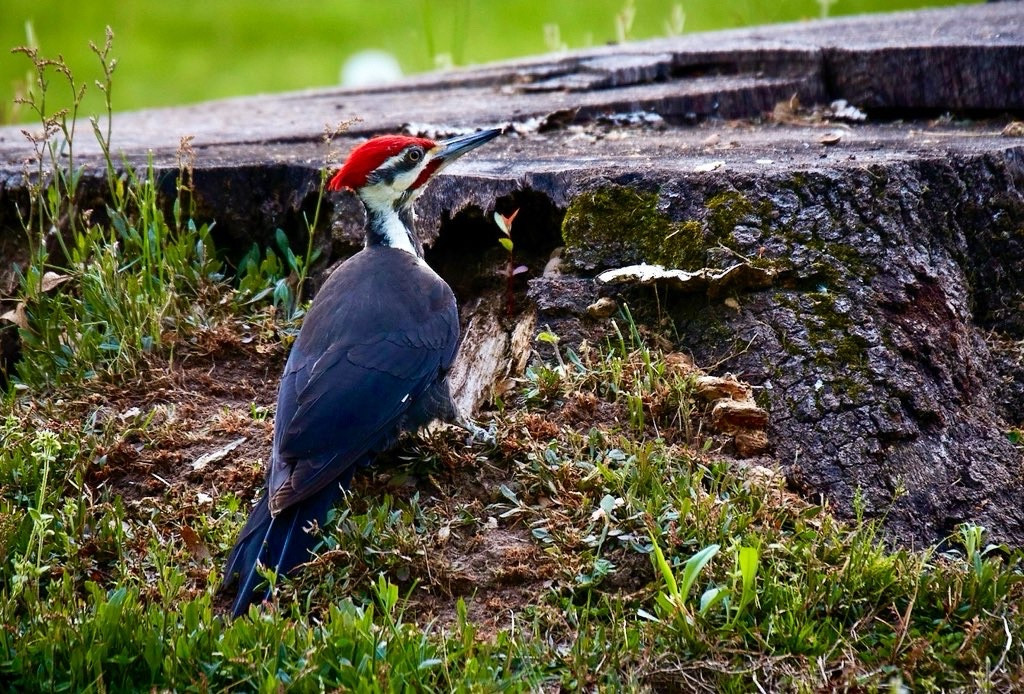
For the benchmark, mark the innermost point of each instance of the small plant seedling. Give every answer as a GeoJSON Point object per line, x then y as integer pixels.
{"type": "Point", "coordinates": [511, 269]}
{"type": "Point", "coordinates": [552, 339]}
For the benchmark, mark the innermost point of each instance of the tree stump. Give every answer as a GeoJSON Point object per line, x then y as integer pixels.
{"type": "Point", "coordinates": [837, 206]}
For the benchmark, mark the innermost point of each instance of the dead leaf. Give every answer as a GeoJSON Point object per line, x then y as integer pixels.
{"type": "Point", "coordinates": [17, 316]}
{"type": "Point", "coordinates": [130, 413]}
{"type": "Point", "coordinates": [196, 547]}
{"type": "Point", "coordinates": [787, 111]}
{"type": "Point", "coordinates": [52, 280]}
{"type": "Point", "coordinates": [1013, 129]}
{"type": "Point", "coordinates": [680, 363]}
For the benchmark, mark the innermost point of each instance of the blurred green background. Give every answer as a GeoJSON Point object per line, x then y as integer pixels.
{"type": "Point", "coordinates": [181, 51]}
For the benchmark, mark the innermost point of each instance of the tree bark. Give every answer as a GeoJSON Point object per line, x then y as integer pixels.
{"type": "Point", "coordinates": [877, 308]}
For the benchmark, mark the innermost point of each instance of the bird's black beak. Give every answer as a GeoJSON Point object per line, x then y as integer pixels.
{"type": "Point", "coordinates": [457, 146]}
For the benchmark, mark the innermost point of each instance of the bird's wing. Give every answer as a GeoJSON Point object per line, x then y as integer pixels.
{"type": "Point", "coordinates": [337, 406]}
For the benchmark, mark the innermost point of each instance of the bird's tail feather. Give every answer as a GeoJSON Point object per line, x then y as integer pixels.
{"type": "Point", "coordinates": [280, 543]}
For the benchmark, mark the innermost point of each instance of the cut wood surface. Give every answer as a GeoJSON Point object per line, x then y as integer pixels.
{"type": "Point", "coordinates": [885, 343]}
{"type": "Point", "coordinates": [966, 58]}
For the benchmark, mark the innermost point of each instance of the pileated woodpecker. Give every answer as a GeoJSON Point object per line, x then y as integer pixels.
{"type": "Point", "coordinates": [369, 363]}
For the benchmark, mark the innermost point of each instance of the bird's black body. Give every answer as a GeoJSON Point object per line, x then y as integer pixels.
{"type": "Point", "coordinates": [369, 363]}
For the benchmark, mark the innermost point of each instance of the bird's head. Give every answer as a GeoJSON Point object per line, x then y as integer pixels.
{"type": "Point", "coordinates": [388, 172]}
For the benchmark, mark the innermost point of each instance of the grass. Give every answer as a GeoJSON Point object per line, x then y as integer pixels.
{"type": "Point", "coordinates": [612, 558]}
{"type": "Point", "coordinates": [206, 50]}
{"type": "Point", "coordinates": [603, 543]}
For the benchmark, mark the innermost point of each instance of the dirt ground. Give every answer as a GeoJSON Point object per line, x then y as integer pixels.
{"type": "Point", "coordinates": [200, 427]}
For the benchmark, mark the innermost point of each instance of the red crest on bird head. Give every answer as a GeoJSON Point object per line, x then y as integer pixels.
{"type": "Point", "coordinates": [369, 155]}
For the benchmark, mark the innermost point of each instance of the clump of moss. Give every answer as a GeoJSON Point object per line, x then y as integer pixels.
{"type": "Point", "coordinates": [828, 323]}
{"type": "Point", "coordinates": [725, 211]}
{"type": "Point", "coordinates": [831, 345]}
{"type": "Point", "coordinates": [836, 348]}
{"type": "Point", "coordinates": [616, 225]}
{"type": "Point", "coordinates": [840, 260]}
{"type": "Point", "coordinates": [619, 224]}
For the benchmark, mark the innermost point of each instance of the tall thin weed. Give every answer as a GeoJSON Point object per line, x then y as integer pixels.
{"type": "Point", "coordinates": [98, 298]}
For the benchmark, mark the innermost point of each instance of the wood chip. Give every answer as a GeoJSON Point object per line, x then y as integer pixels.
{"type": "Point", "coordinates": [219, 454]}
{"type": "Point", "coordinates": [709, 166]}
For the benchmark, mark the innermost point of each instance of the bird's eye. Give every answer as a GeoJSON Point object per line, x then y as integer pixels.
{"type": "Point", "coordinates": [415, 154]}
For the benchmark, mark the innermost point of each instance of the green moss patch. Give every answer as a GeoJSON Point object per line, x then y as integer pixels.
{"type": "Point", "coordinates": [625, 225]}
{"type": "Point", "coordinates": [725, 211]}
{"type": "Point", "coordinates": [620, 225]}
